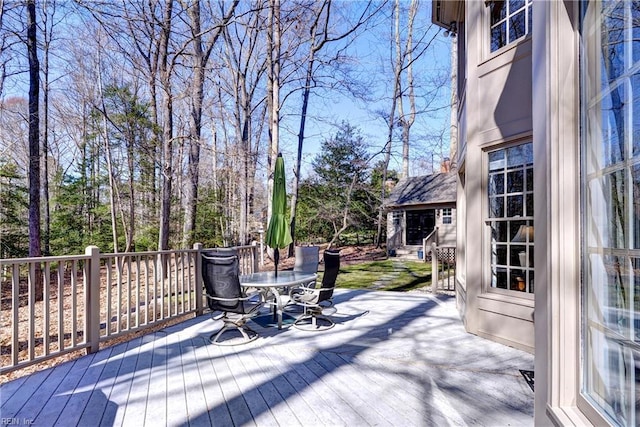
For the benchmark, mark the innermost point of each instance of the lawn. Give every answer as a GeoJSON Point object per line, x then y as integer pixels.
{"type": "Point", "coordinates": [387, 275]}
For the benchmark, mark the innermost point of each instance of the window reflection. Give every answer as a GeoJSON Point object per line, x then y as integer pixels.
{"type": "Point", "coordinates": [611, 207]}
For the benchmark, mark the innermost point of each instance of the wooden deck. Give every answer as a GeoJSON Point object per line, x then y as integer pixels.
{"type": "Point", "coordinates": [393, 359]}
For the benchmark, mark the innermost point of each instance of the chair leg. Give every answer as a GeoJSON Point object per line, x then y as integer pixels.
{"type": "Point", "coordinates": [247, 333]}
{"type": "Point", "coordinates": [309, 321]}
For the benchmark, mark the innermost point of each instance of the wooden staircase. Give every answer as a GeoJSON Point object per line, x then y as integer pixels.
{"type": "Point", "coordinates": [409, 253]}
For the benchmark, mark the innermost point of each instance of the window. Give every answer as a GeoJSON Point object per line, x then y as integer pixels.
{"type": "Point", "coordinates": [510, 20]}
{"type": "Point", "coordinates": [397, 217]}
{"type": "Point", "coordinates": [510, 201]}
{"type": "Point", "coordinates": [610, 214]}
{"type": "Point", "coordinates": [446, 216]}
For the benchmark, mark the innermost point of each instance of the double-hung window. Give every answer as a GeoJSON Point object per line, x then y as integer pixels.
{"type": "Point", "coordinates": [446, 215]}
{"type": "Point", "coordinates": [509, 21]}
{"type": "Point", "coordinates": [510, 217]}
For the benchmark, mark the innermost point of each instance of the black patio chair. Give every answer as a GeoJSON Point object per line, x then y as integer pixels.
{"type": "Point", "coordinates": [220, 273]}
{"type": "Point", "coordinates": [315, 301]}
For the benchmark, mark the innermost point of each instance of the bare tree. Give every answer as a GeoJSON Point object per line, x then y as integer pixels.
{"type": "Point", "coordinates": [49, 10]}
{"type": "Point", "coordinates": [34, 139]}
{"type": "Point", "coordinates": [201, 53]}
{"type": "Point", "coordinates": [407, 120]}
{"type": "Point", "coordinates": [274, 47]}
{"type": "Point", "coordinates": [404, 58]}
{"type": "Point", "coordinates": [397, 75]}
{"type": "Point", "coordinates": [319, 37]}
{"type": "Point", "coordinates": [246, 69]}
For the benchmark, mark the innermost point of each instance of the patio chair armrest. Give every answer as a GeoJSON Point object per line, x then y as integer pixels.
{"type": "Point", "coordinates": [310, 287]}
{"type": "Point", "coordinates": [242, 298]}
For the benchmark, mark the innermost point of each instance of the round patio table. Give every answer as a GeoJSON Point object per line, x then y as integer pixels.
{"type": "Point", "coordinates": [268, 283]}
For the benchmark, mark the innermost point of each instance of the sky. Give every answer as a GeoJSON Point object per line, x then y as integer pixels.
{"type": "Point", "coordinates": [326, 110]}
{"type": "Point", "coordinates": [370, 56]}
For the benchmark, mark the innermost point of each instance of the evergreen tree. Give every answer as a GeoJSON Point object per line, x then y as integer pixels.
{"type": "Point", "coordinates": [342, 177]}
{"type": "Point", "coordinates": [14, 208]}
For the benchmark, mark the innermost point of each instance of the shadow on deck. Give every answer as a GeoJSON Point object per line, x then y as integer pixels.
{"type": "Point", "coordinates": [392, 359]}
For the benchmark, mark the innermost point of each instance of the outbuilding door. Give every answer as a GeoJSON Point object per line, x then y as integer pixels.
{"type": "Point", "coordinates": [419, 225]}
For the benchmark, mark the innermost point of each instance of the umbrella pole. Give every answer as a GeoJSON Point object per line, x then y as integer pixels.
{"type": "Point", "coordinates": [276, 259]}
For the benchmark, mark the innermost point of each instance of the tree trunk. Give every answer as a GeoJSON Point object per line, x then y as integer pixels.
{"type": "Point", "coordinates": [167, 131]}
{"type": "Point", "coordinates": [296, 176]}
{"type": "Point", "coordinates": [387, 156]}
{"type": "Point", "coordinates": [34, 144]}
{"type": "Point", "coordinates": [200, 59]}
{"type": "Point", "coordinates": [195, 130]}
{"type": "Point", "coordinates": [273, 85]}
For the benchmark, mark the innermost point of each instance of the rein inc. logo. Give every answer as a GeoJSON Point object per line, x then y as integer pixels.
{"type": "Point", "coordinates": [16, 421]}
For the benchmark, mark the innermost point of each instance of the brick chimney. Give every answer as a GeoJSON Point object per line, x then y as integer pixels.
{"type": "Point", "coordinates": [445, 166]}
{"type": "Point", "coordinates": [389, 184]}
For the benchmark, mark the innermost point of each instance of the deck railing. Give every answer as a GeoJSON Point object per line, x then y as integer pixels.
{"type": "Point", "coordinates": [443, 267]}
{"type": "Point", "coordinates": [427, 242]}
{"type": "Point", "coordinates": [55, 305]}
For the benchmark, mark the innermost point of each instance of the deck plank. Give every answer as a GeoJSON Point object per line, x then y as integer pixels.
{"type": "Point", "coordinates": [54, 407]}
{"type": "Point", "coordinates": [21, 395]}
{"type": "Point", "coordinates": [330, 398]}
{"type": "Point", "coordinates": [81, 394]}
{"type": "Point", "coordinates": [136, 405]}
{"type": "Point", "coordinates": [120, 392]}
{"type": "Point", "coordinates": [408, 361]}
{"type": "Point", "coordinates": [94, 411]}
{"type": "Point", "coordinates": [196, 403]}
{"type": "Point", "coordinates": [249, 382]}
{"type": "Point", "coordinates": [33, 407]}
{"type": "Point", "coordinates": [238, 406]}
{"type": "Point", "coordinates": [107, 383]}
{"type": "Point", "coordinates": [176, 403]}
{"type": "Point", "coordinates": [384, 404]}
{"type": "Point", "coordinates": [218, 412]}
{"type": "Point", "coordinates": [317, 411]}
{"type": "Point", "coordinates": [157, 400]}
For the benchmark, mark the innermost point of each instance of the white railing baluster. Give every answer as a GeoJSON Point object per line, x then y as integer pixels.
{"type": "Point", "coordinates": [45, 311]}
{"type": "Point", "coordinates": [127, 308]}
{"type": "Point", "coordinates": [15, 301]}
{"type": "Point", "coordinates": [175, 278]}
{"type": "Point", "coordinates": [74, 302]}
{"type": "Point", "coordinates": [181, 257]}
{"type": "Point", "coordinates": [159, 274]}
{"type": "Point", "coordinates": [107, 301]}
{"type": "Point", "coordinates": [61, 307]}
{"type": "Point", "coordinates": [139, 321]}
{"type": "Point", "coordinates": [32, 301]}
{"type": "Point", "coordinates": [146, 290]}
{"type": "Point", "coordinates": [115, 281]}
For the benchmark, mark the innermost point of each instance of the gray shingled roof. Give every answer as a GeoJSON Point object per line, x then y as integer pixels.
{"type": "Point", "coordinates": [420, 190]}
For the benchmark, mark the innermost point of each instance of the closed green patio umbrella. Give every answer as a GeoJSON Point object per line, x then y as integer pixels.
{"type": "Point", "coordinates": [278, 233]}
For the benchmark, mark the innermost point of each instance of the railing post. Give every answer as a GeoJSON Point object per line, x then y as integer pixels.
{"type": "Point", "coordinates": [434, 267]}
{"type": "Point", "coordinates": [92, 299]}
{"type": "Point", "coordinates": [199, 284]}
{"type": "Point", "coordinates": [424, 250]}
